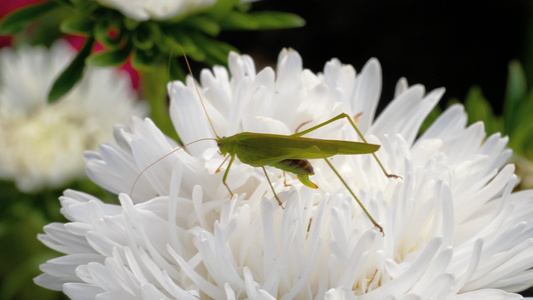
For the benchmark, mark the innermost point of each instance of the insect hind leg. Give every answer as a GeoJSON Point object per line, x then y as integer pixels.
{"type": "Point", "coordinates": [350, 191]}
{"type": "Point", "coordinates": [338, 117]}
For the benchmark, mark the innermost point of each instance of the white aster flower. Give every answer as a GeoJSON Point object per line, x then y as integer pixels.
{"type": "Point", "coordinates": [42, 144]}
{"type": "Point", "coordinates": [453, 228]}
{"type": "Point", "coordinates": [143, 10]}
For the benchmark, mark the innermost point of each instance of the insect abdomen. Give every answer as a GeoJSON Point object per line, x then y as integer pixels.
{"type": "Point", "coordinates": [301, 167]}
{"type": "Point", "coordinates": [296, 166]}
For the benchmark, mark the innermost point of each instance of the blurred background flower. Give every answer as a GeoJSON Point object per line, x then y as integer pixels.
{"type": "Point", "coordinates": [42, 141]}
{"type": "Point", "coordinates": [158, 10]}
{"type": "Point", "coordinates": [42, 145]}
{"type": "Point", "coordinates": [145, 33]}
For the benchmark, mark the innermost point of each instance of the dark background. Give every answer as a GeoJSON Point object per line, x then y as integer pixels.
{"type": "Point", "coordinates": [452, 44]}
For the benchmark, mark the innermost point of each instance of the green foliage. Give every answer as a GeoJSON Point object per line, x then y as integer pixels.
{"type": "Point", "coordinates": [517, 111]}
{"type": "Point", "coordinates": [150, 43]}
{"type": "Point", "coordinates": [77, 26]}
{"type": "Point", "coordinates": [19, 19]}
{"type": "Point", "coordinates": [109, 58]}
{"type": "Point", "coordinates": [479, 109]}
{"type": "Point", "coordinates": [515, 97]}
{"type": "Point", "coordinates": [72, 74]}
{"type": "Point", "coordinates": [261, 20]}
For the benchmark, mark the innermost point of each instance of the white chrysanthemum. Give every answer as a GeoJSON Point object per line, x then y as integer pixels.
{"type": "Point", "coordinates": [143, 10]}
{"type": "Point", "coordinates": [453, 227]}
{"type": "Point", "coordinates": [42, 144]}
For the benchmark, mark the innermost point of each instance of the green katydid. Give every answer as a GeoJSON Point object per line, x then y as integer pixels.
{"type": "Point", "coordinates": [289, 153]}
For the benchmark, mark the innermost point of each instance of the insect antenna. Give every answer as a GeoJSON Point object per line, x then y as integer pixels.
{"type": "Point", "coordinates": [163, 157]}
{"type": "Point", "coordinates": [196, 87]}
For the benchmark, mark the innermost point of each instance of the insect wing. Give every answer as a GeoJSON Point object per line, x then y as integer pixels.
{"type": "Point", "coordinates": [277, 147]}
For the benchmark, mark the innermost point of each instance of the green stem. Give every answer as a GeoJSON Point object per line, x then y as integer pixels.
{"type": "Point", "coordinates": [154, 85]}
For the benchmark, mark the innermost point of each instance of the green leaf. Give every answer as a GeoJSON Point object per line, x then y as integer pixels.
{"type": "Point", "coordinates": [19, 19]}
{"type": "Point", "coordinates": [72, 74]}
{"type": "Point", "coordinates": [260, 20]}
{"type": "Point", "coordinates": [515, 94]}
{"type": "Point", "coordinates": [179, 37]}
{"type": "Point", "coordinates": [203, 24]}
{"type": "Point", "coordinates": [238, 21]}
{"type": "Point", "coordinates": [277, 20]}
{"type": "Point", "coordinates": [86, 7]}
{"type": "Point", "coordinates": [145, 36]}
{"type": "Point", "coordinates": [217, 51]}
{"type": "Point", "coordinates": [131, 24]}
{"type": "Point", "coordinates": [47, 30]}
{"type": "Point", "coordinates": [156, 94]}
{"type": "Point", "coordinates": [175, 71]}
{"type": "Point", "coordinates": [479, 109]}
{"type": "Point", "coordinates": [113, 58]}
{"type": "Point", "coordinates": [521, 138]}
{"type": "Point", "coordinates": [144, 61]}
{"type": "Point", "coordinates": [77, 25]}
{"type": "Point", "coordinates": [221, 8]}
{"type": "Point", "coordinates": [522, 135]}
{"type": "Point", "coordinates": [524, 111]}
{"type": "Point", "coordinates": [244, 7]}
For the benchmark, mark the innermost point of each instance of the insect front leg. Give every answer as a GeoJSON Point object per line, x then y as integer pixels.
{"type": "Point", "coordinates": [285, 179]}
{"type": "Point", "coordinates": [224, 178]}
{"type": "Point", "coordinates": [223, 162]}
{"type": "Point", "coordinates": [338, 117]}
{"type": "Point", "coordinates": [226, 174]}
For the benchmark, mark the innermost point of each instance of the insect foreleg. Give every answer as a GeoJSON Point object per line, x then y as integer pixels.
{"type": "Point", "coordinates": [352, 193]}
{"type": "Point", "coordinates": [223, 162]}
{"type": "Point", "coordinates": [285, 179]}
{"type": "Point", "coordinates": [226, 174]}
{"type": "Point", "coordinates": [268, 178]}
{"type": "Point", "coordinates": [338, 117]}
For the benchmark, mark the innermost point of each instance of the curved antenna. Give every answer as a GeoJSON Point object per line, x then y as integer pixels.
{"type": "Point", "coordinates": [161, 158]}
{"type": "Point", "coordinates": [195, 85]}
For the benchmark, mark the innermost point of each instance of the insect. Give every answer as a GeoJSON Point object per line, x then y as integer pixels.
{"type": "Point", "coordinates": [289, 153]}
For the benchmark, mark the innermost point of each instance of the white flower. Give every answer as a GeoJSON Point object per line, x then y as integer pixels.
{"type": "Point", "coordinates": [143, 10]}
{"type": "Point", "coordinates": [42, 144]}
{"type": "Point", "coordinates": [453, 228]}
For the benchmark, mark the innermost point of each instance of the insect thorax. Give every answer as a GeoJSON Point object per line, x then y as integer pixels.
{"type": "Point", "coordinates": [226, 145]}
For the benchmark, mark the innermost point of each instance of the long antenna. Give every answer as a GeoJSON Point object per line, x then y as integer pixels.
{"type": "Point", "coordinates": [203, 106]}
{"type": "Point", "coordinates": [195, 86]}
{"type": "Point", "coordinates": [161, 158]}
